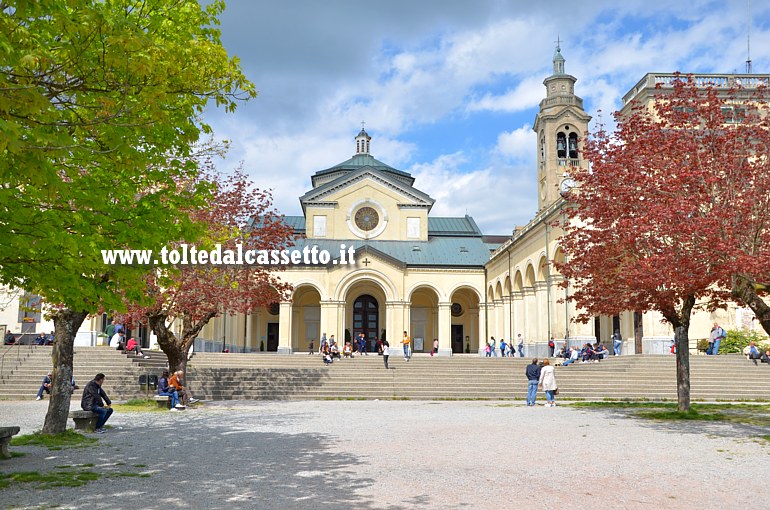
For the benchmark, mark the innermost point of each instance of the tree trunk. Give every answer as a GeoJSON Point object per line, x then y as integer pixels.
{"type": "Point", "coordinates": [176, 349]}
{"type": "Point", "coordinates": [168, 343]}
{"type": "Point", "coordinates": [744, 291]}
{"type": "Point", "coordinates": [682, 342]}
{"type": "Point", "coordinates": [66, 324]}
{"type": "Point", "coordinates": [681, 324]}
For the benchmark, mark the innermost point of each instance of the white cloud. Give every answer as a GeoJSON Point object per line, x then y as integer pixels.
{"type": "Point", "coordinates": [519, 144]}
{"type": "Point", "coordinates": [527, 94]}
{"type": "Point", "coordinates": [497, 197]}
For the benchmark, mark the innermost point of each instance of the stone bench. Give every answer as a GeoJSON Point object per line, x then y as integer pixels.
{"type": "Point", "coordinates": [84, 420]}
{"type": "Point", "coordinates": [6, 433]}
{"type": "Point", "coordinates": [162, 401]}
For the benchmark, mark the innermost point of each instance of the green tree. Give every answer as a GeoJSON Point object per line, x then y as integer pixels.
{"type": "Point", "coordinates": [100, 105]}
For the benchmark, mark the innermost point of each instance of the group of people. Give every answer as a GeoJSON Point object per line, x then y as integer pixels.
{"type": "Point", "coordinates": [507, 349]}
{"type": "Point", "coordinates": [586, 354]}
{"type": "Point", "coordinates": [541, 376]}
{"type": "Point", "coordinates": [43, 339]}
{"type": "Point", "coordinates": [95, 399]}
{"type": "Point", "coordinates": [175, 388]}
{"type": "Point", "coordinates": [330, 350]}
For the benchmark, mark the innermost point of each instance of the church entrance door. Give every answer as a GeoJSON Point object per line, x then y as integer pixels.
{"type": "Point", "coordinates": [366, 320]}
{"type": "Point", "coordinates": [457, 339]}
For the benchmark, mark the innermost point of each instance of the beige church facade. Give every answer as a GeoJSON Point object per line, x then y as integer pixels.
{"type": "Point", "coordinates": [442, 278]}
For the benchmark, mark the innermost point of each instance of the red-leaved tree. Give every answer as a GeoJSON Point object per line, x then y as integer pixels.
{"type": "Point", "coordinates": [194, 294]}
{"type": "Point", "coordinates": [674, 212]}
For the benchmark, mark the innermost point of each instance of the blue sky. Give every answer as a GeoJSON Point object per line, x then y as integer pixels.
{"type": "Point", "coordinates": [449, 89]}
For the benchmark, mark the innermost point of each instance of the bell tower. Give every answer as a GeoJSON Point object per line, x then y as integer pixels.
{"type": "Point", "coordinates": [561, 126]}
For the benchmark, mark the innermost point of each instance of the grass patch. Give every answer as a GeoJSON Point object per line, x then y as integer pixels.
{"type": "Point", "coordinates": [745, 414]}
{"type": "Point", "coordinates": [66, 439]}
{"type": "Point", "coordinates": [672, 405]}
{"type": "Point", "coordinates": [15, 455]}
{"type": "Point", "coordinates": [139, 405]}
{"type": "Point", "coordinates": [140, 465]}
{"type": "Point", "coordinates": [71, 478]}
{"type": "Point", "coordinates": [692, 414]}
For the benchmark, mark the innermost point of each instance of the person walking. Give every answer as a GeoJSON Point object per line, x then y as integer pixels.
{"type": "Point", "coordinates": [548, 382]}
{"type": "Point", "coordinates": [96, 400]}
{"type": "Point", "coordinates": [617, 342]}
{"type": "Point", "coordinates": [407, 343]}
{"type": "Point", "coordinates": [385, 352]}
{"type": "Point", "coordinates": [533, 379]}
{"type": "Point", "coordinates": [503, 347]}
{"type": "Point", "coordinates": [551, 347]}
{"type": "Point", "coordinates": [521, 346]}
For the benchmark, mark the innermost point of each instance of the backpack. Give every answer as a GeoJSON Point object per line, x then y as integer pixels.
{"type": "Point", "coordinates": [550, 343]}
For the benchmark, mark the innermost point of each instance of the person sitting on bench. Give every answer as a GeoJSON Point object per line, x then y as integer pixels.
{"type": "Point", "coordinates": [176, 382]}
{"type": "Point", "coordinates": [164, 390]}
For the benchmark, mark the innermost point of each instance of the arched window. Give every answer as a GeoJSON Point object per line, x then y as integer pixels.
{"type": "Point", "coordinates": [542, 146]}
{"type": "Point", "coordinates": [561, 145]}
{"type": "Point", "coordinates": [573, 146]}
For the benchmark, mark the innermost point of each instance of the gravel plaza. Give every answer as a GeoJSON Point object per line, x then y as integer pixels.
{"type": "Point", "coordinates": [396, 454]}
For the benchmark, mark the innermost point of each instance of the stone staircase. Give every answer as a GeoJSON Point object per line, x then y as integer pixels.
{"type": "Point", "coordinates": [219, 376]}
{"type": "Point", "coordinates": [24, 368]}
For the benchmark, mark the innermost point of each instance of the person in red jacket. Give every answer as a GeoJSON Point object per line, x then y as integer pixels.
{"type": "Point", "coordinates": [133, 346]}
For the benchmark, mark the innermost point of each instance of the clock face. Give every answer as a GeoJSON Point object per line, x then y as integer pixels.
{"type": "Point", "coordinates": [566, 185]}
{"type": "Point", "coordinates": [367, 219]}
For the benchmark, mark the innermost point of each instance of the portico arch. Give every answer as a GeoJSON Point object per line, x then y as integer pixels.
{"type": "Point", "coordinates": [423, 317]}
{"type": "Point", "coordinates": [305, 317]}
{"type": "Point", "coordinates": [365, 311]}
{"type": "Point", "coordinates": [467, 326]}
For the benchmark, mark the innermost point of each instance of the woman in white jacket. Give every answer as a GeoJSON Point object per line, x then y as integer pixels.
{"type": "Point", "coordinates": [548, 383]}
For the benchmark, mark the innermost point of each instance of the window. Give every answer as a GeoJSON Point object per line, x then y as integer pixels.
{"type": "Point", "coordinates": [319, 226]}
{"type": "Point", "coordinates": [413, 228]}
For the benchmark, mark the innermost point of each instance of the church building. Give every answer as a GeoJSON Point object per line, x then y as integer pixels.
{"type": "Point", "coordinates": [413, 272]}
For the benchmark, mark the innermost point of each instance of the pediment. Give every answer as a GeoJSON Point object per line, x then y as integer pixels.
{"type": "Point", "coordinates": [327, 193]}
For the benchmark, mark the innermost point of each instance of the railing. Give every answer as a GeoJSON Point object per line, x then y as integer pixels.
{"type": "Point", "coordinates": [7, 357]}
{"type": "Point", "coordinates": [569, 162]}
{"type": "Point", "coordinates": [720, 81]}
{"type": "Point", "coordinates": [202, 345]}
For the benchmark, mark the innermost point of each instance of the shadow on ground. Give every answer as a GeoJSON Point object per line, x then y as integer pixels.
{"type": "Point", "coordinates": [205, 462]}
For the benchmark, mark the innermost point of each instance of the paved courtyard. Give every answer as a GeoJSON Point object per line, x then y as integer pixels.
{"type": "Point", "coordinates": [396, 454]}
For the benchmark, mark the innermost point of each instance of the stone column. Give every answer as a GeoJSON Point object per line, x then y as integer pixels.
{"type": "Point", "coordinates": [482, 328]}
{"type": "Point", "coordinates": [284, 328]}
{"type": "Point", "coordinates": [248, 340]}
{"type": "Point", "coordinates": [473, 331]}
{"type": "Point", "coordinates": [506, 319]}
{"type": "Point", "coordinates": [444, 329]}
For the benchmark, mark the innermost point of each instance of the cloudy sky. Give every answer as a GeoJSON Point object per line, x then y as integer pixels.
{"type": "Point", "coordinates": [449, 89]}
